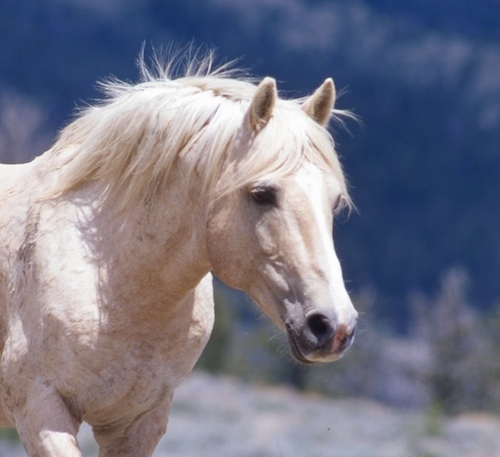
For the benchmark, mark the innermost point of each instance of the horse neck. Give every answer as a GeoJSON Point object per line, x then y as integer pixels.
{"type": "Point", "coordinates": [160, 246]}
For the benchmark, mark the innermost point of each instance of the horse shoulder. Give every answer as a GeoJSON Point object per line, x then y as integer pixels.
{"type": "Point", "coordinates": [15, 206]}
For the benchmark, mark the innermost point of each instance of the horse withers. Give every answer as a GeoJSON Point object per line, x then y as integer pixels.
{"type": "Point", "coordinates": [108, 240]}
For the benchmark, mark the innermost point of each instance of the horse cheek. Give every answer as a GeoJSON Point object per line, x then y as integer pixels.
{"type": "Point", "coordinates": [230, 248]}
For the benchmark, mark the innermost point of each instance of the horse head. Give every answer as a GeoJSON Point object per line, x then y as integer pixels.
{"type": "Point", "coordinates": [271, 236]}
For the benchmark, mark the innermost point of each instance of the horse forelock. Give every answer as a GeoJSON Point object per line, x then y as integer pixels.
{"type": "Point", "coordinates": [131, 140]}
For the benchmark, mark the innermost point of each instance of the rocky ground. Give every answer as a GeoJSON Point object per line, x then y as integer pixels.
{"type": "Point", "coordinates": [214, 416]}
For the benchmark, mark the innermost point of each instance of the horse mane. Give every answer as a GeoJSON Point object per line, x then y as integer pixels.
{"type": "Point", "coordinates": [132, 138]}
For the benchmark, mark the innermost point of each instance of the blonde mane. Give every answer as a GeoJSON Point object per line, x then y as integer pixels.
{"type": "Point", "coordinates": [131, 139]}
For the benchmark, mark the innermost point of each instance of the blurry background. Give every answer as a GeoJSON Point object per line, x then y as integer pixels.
{"type": "Point", "coordinates": [421, 256]}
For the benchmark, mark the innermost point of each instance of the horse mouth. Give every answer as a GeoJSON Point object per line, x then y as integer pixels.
{"type": "Point", "coordinates": [295, 349]}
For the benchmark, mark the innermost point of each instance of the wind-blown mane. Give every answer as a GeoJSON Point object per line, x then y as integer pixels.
{"type": "Point", "coordinates": [132, 138]}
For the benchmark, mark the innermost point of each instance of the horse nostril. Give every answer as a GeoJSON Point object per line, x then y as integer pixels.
{"type": "Point", "coordinates": [320, 327]}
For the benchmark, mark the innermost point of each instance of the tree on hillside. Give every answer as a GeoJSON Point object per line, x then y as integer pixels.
{"type": "Point", "coordinates": [459, 347]}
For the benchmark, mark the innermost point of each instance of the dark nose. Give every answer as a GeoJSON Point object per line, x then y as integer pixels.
{"type": "Point", "coordinates": [324, 334]}
{"type": "Point", "coordinates": [321, 328]}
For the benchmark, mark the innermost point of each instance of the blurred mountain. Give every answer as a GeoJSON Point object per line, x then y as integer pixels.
{"type": "Point", "coordinates": [424, 76]}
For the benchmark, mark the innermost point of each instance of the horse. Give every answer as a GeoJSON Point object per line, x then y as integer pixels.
{"type": "Point", "coordinates": [108, 243]}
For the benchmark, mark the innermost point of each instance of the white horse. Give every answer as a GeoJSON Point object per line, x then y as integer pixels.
{"type": "Point", "coordinates": [108, 239]}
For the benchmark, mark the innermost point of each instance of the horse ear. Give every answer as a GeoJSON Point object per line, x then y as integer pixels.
{"type": "Point", "coordinates": [262, 105]}
{"type": "Point", "coordinates": [319, 105]}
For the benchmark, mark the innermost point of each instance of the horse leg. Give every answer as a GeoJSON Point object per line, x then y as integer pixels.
{"type": "Point", "coordinates": [44, 424]}
{"type": "Point", "coordinates": [138, 438]}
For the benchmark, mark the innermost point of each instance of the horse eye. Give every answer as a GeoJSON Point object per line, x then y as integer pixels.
{"type": "Point", "coordinates": [265, 196]}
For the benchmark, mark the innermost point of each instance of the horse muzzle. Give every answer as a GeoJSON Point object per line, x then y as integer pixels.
{"type": "Point", "coordinates": [320, 338]}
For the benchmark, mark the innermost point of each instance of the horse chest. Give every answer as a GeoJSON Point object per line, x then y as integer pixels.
{"type": "Point", "coordinates": [144, 368]}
